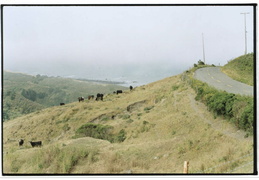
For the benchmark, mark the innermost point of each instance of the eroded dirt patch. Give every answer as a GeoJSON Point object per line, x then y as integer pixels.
{"type": "Point", "coordinates": [135, 106]}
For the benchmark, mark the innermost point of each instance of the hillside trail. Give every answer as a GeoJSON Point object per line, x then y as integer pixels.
{"type": "Point", "coordinates": [218, 124]}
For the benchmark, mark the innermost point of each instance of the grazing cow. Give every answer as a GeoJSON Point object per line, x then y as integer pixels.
{"type": "Point", "coordinates": [62, 104]}
{"type": "Point", "coordinates": [36, 143]}
{"type": "Point", "coordinates": [119, 91]}
{"type": "Point", "coordinates": [21, 142]}
{"type": "Point", "coordinates": [81, 99]}
{"type": "Point", "coordinates": [99, 96]}
{"type": "Point", "coordinates": [131, 88]}
{"type": "Point", "coordinates": [90, 97]}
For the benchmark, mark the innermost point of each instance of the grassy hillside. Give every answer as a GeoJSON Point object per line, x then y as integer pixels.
{"type": "Point", "coordinates": [152, 129]}
{"type": "Point", "coordinates": [241, 69]}
{"type": "Point", "coordinates": [24, 94]}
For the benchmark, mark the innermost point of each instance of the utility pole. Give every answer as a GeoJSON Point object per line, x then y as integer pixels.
{"type": "Point", "coordinates": [245, 32]}
{"type": "Point", "coordinates": [203, 48]}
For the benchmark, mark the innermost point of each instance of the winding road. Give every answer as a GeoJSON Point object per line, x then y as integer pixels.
{"type": "Point", "coordinates": [214, 77]}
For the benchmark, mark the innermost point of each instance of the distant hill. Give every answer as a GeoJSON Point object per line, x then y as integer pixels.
{"type": "Point", "coordinates": [241, 69]}
{"type": "Point", "coordinates": [23, 94]}
{"type": "Point", "coordinates": [152, 129]}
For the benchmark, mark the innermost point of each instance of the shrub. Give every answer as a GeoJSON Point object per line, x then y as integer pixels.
{"type": "Point", "coordinates": [94, 130]}
{"type": "Point", "coordinates": [65, 127]}
{"type": "Point", "coordinates": [100, 131]}
{"type": "Point", "coordinates": [222, 103]}
{"type": "Point", "coordinates": [146, 126]}
{"type": "Point", "coordinates": [130, 121]}
{"type": "Point", "coordinates": [200, 62]}
{"type": "Point", "coordinates": [246, 121]}
{"type": "Point", "coordinates": [120, 137]}
{"type": "Point", "coordinates": [173, 132]}
{"type": "Point", "coordinates": [147, 109]}
{"type": "Point", "coordinates": [175, 87]}
{"type": "Point", "coordinates": [106, 118]}
{"type": "Point", "coordinates": [126, 116]}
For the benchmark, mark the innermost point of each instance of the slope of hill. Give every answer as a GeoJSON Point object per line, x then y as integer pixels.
{"type": "Point", "coordinates": [24, 94]}
{"type": "Point", "coordinates": [241, 69]}
{"type": "Point", "coordinates": [152, 129]}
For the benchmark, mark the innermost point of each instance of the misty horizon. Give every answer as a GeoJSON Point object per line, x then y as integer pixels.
{"type": "Point", "coordinates": [128, 43]}
{"type": "Point", "coordinates": [139, 77]}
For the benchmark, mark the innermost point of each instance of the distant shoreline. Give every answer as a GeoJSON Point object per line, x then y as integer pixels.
{"type": "Point", "coordinates": [116, 81]}
{"type": "Point", "coordinates": [101, 81]}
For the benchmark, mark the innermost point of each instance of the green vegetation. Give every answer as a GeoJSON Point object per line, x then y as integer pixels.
{"type": "Point", "coordinates": [147, 109]}
{"type": "Point", "coordinates": [241, 69]}
{"type": "Point", "coordinates": [25, 94]}
{"type": "Point", "coordinates": [200, 63]}
{"type": "Point", "coordinates": [100, 131]}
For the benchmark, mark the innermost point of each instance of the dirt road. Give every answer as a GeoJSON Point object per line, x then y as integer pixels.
{"type": "Point", "coordinates": [214, 77]}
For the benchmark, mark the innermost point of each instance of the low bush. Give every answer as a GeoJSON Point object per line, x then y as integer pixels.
{"type": "Point", "coordinates": [97, 131]}
{"type": "Point", "coordinates": [175, 87]}
{"type": "Point", "coordinates": [100, 131]}
{"type": "Point", "coordinates": [147, 109]}
{"type": "Point", "coordinates": [120, 137]}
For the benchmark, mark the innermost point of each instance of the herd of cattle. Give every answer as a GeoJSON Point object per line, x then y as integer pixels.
{"type": "Point", "coordinates": [99, 96]}
{"type": "Point", "coordinates": [33, 144]}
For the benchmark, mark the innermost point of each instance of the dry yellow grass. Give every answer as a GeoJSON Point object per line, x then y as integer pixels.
{"type": "Point", "coordinates": [164, 127]}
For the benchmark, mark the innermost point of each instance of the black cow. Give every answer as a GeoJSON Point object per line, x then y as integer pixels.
{"type": "Point", "coordinates": [90, 97]}
{"type": "Point", "coordinates": [99, 96]}
{"type": "Point", "coordinates": [131, 88]}
{"type": "Point", "coordinates": [81, 99]}
{"type": "Point", "coordinates": [118, 91]}
{"type": "Point", "coordinates": [21, 142]}
{"type": "Point", "coordinates": [62, 104]}
{"type": "Point", "coordinates": [36, 143]}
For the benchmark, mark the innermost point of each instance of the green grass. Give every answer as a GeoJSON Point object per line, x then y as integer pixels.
{"type": "Point", "coordinates": [241, 69]}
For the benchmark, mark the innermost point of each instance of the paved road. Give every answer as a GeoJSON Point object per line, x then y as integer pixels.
{"type": "Point", "coordinates": [214, 77]}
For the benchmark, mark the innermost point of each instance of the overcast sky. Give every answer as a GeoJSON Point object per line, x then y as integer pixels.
{"type": "Point", "coordinates": [64, 39]}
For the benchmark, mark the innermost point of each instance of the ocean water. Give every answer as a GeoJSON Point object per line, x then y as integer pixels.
{"type": "Point", "coordinates": [143, 79]}
{"type": "Point", "coordinates": [139, 78]}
